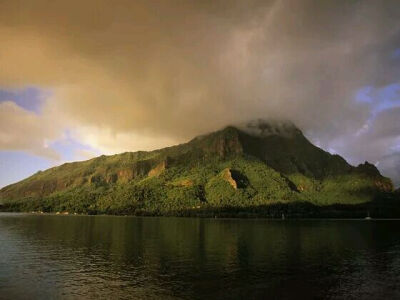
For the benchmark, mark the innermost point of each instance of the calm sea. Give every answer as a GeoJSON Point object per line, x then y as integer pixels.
{"type": "Point", "coordinates": [93, 257]}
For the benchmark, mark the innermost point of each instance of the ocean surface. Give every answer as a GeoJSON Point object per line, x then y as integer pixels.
{"type": "Point", "coordinates": [108, 257]}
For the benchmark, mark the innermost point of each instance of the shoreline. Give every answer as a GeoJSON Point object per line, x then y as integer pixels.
{"type": "Point", "coordinates": [201, 217]}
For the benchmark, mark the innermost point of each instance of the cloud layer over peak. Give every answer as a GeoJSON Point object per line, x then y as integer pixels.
{"type": "Point", "coordinates": [131, 75]}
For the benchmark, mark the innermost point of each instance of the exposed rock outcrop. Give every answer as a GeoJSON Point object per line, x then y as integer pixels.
{"type": "Point", "coordinates": [157, 170]}
{"type": "Point", "coordinates": [227, 175]}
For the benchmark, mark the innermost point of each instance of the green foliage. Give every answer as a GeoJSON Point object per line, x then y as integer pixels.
{"type": "Point", "coordinates": [227, 171]}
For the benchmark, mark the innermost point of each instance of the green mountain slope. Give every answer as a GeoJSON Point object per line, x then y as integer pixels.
{"type": "Point", "coordinates": [254, 169]}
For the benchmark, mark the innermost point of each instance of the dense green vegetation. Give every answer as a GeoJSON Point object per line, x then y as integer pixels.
{"type": "Point", "coordinates": [226, 173]}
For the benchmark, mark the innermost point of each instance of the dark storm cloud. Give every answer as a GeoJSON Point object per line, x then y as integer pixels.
{"type": "Point", "coordinates": [123, 70]}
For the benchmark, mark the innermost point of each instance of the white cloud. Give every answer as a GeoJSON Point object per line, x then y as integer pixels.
{"type": "Point", "coordinates": [24, 130]}
{"type": "Point", "coordinates": [110, 141]}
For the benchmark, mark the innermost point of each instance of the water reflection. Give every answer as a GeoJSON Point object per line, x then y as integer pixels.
{"type": "Point", "coordinates": [128, 257]}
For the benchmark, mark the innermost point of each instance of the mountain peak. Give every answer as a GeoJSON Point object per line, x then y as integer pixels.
{"type": "Point", "coordinates": [223, 142]}
{"type": "Point", "coordinates": [368, 168]}
{"type": "Point", "coordinates": [273, 160]}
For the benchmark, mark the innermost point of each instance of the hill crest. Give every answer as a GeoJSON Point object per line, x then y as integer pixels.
{"type": "Point", "coordinates": [274, 162]}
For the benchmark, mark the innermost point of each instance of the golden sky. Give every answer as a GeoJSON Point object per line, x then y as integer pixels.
{"type": "Point", "coordinates": [138, 75]}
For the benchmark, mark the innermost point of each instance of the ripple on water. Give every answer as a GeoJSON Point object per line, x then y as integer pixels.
{"type": "Point", "coordinates": [114, 257]}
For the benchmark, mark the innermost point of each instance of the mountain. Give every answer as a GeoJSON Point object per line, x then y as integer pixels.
{"type": "Point", "coordinates": [263, 168]}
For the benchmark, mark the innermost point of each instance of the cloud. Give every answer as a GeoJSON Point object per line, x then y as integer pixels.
{"type": "Point", "coordinates": [391, 166]}
{"type": "Point", "coordinates": [23, 130]}
{"type": "Point", "coordinates": [137, 75]}
{"type": "Point", "coordinates": [29, 98]}
{"type": "Point", "coordinates": [378, 142]}
{"type": "Point", "coordinates": [110, 142]}
{"type": "Point", "coordinates": [86, 154]}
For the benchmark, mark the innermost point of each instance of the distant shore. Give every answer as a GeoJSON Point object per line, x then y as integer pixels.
{"type": "Point", "coordinates": [296, 210]}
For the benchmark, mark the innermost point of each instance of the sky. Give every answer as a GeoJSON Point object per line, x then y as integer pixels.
{"type": "Point", "coordinates": [84, 78]}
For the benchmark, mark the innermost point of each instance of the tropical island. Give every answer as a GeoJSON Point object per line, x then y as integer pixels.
{"type": "Point", "coordinates": [265, 169]}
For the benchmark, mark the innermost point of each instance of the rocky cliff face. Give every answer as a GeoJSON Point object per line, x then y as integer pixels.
{"type": "Point", "coordinates": [116, 169]}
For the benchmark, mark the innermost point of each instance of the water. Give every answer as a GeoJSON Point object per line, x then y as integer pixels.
{"type": "Point", "coordinates": [45, 256]}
